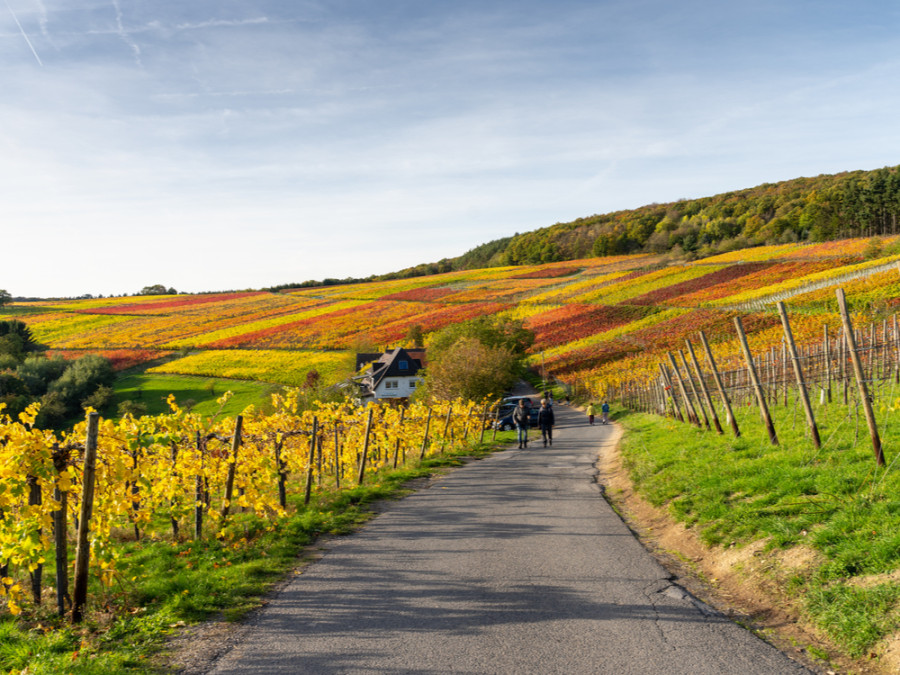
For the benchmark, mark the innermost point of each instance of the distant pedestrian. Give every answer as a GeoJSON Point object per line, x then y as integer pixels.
{"type": "Point", "coordinates": [591, 411]}
{"type": "Point", "coordinates": [546, 421]}
{"type": "Point", "coordinates": [521, 417]}
{"type": "Point", "coordinates": [605, 410]}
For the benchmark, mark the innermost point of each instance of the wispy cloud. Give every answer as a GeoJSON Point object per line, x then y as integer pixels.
{"type": "Point", "coordinates": [24, 34]}
{"type": "Point", "coordinates": [126, 37]}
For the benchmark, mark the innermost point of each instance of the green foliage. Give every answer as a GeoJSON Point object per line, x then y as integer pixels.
{"type": "Point", "coordinates": [16, 339]}
{"type": "Point", "coordinates": [157, 289]}
{"type": "Point", "coordinates": [38, 372]}
{"type": "Point", "coordinates": [81, 379]}
{"type": "Point", "coordinates": [834, 501]}
{"type": "Point", "coordinates": [164, 585]}
{"type": "Point", "coordinates": [493, 332]}
{"type": "Point", "coordinates": [475, 358]}
{"type": "Point", "coordinates": [853, 204]}
{"type": "Point", "coordinates": [5, 297]}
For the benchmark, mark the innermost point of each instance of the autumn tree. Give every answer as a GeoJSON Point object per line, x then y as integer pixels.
{"type": "Point", "coordinates": [476, 358]}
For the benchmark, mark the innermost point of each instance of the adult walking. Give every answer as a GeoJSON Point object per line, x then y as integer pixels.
{"type": "Point", "coordinates": [546, 421]}
{"type": "Point", "coordinates": [605, 410]}
{"type": "Point", "coordinates": [520, 419]}
{"type": "Point", "coordinates": [591, 411]}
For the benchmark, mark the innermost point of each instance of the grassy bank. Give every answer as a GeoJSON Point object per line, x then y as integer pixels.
{"type": "Point", "coordinates": [162, 585]}
{"type": "Point", "coordinates": [833, 502]}
{"type": "Point", "coordinates": [199, 393]}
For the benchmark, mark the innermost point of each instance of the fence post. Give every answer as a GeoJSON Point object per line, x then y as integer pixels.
{"type": "Point", "coordinates": [798, 375]}
{"type": "Point", "coordinates": [399, 433]}
{"type": "Point", "coordinates": [232, 465]}
{"type": "Point", "coordinates": [729, 413]}
{"type": "Point", "coordinates": [754, 379]}
{"type": "Point", "coordinates": [425, 437]}
{"type": "Point", "coordinates": [688, 404]}
{"type": "Point", "coordinates": [703, 386]}
{"type": "Point", "coordinates": [60, 532]}
{"type": "Point", "coordinates": [671, 387]}
{"type": "Point", "coordinates": [690, 379]}
{"type": "Point", "coordinates": [860, 379]}
{"type": "Point", "coordinates": [313, 439]}
{"type": "Point", "coordinates": [35, 498]}
{"type": "Point", "coordinates": [365, 453]}
{"type": "Point", "coordinates": [446, 426]}
{"type": "Point", "coordinates": [483, 422]}
{"type": "Point", "coordinates": [83, 550]}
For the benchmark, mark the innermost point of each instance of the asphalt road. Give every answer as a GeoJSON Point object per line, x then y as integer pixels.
{"type": "Point", "coordinates": [511, 564]}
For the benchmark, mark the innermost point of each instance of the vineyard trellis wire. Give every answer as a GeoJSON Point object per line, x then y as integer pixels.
{"type": "Point", "coordinates": [152, 476]}
{"type": "Point", "coordinates": [867, 356]}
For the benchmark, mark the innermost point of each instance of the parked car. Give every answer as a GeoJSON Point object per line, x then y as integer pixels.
{"type": "Point", "coordinates": [505, 421]}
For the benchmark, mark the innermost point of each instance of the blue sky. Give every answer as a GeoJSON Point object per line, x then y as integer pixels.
{"type": "Point", "coordinates": [211, 145]}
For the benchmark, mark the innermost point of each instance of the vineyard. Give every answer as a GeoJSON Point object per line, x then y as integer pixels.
{"type": "Point", "coordinates": [169, 475]}
{"type": "Point", "coordinates": [728, 346]}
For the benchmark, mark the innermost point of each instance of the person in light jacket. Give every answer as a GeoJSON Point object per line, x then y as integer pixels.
{"type": "Point", "coordinates": [546, 421]}
{"type": "Point", "coordinates": [591, 411]}
{"type": "Point", "coordinates": [520, 419]}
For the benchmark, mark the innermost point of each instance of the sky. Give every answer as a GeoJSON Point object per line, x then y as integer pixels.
{"type": "Point", "coordinates": [216, 145]}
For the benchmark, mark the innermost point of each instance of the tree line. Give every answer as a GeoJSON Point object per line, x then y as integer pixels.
{"type": "Point", "coordinates": [63, 388]}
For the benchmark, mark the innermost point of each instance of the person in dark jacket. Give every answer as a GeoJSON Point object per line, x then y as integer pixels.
{"type": "Point", "coordinates": [520, 419]}
{"type": "Point", "coordinates": [546, 421]}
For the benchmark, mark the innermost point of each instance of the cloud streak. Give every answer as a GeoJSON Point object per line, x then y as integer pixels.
{"type": "Point", "coordinates": [24, 34]}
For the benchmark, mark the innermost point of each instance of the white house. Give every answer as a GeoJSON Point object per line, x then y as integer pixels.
{"type": "Point", "coordinates": [393, 374]}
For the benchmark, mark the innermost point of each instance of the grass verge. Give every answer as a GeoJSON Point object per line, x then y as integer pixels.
{"type": "Point", "coordinates": [163, 585]}
{"type": "Point", "coordinates": [833, 502]}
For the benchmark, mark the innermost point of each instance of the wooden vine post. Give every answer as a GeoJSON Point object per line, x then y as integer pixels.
{"type": "Point", "coordinates": [668, 383]}
{"type": "Point", "coordinates": [446, 426]}
{"type": "Point", "coordinates": [703, 386]}
{"type": "Point", "coordinates": [365, 452]}
{"type": "Point", "coordinates": [60, 532]}
{"type": "Point", "coordinates": [337, 456]}
{"type": "Point", "coordinates": [198, 491]}
{"type": "Point", "coordinates": [729, 413]}
{"type": "Point", "coordinates": [35, 498]}
{"type": "Point", "coordinates": [310, 464]}
{"type": "Point", "coordinates": [484, 413]}
{"type": "Point", "coordinates": [399, 434]}
{"type": "Point", "coordinates": [754, 379]}
{"type": "Point", "coordinates": [425, 437]}
{"type": "Point", "coordinates": [860, 378]}
{"type": "Point", "coordinates": [827, 347]}
{"type": "Point", "coordinates": [798, 375]}
{"type": "Point", "coordinates": [690, 379]}
{"type": "Point", "coordinates": [83, 546]}
{"type": "Point", "coordinates": [689, 406]}
{"type": "Point", "coordinates": [232, 465]}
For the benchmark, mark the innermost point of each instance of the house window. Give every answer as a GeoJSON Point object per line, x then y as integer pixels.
{"type": "Point", "coordinates": [390, 384]}
{"type": "Point", "coordinates": [412, 384]}
{"type": "Point", "coordinates": [404, 365]}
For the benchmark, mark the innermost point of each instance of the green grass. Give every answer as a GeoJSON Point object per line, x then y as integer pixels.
{"type": "Point", "coordinates": [163, 585]}
{"type": "Point", "coordinates": [834, 500]}
{"type": "Point", "coordinates": [153, 390]}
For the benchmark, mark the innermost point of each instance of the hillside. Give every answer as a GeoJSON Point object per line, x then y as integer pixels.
{"type": "Point", "coordinates": [594, 318]}
{"type": "Point", "coordinates": [816, 522]}
{"type": "Point", "coordinates": [824, 208]}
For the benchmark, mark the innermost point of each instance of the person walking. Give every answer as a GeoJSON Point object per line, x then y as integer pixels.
{"type": "Point", "coordinates": [546, 421]}
{"type": "Point", "coordinates": [605, 410]}
{"type": "Point", "coordinates": [591, 411]}
{"type": "Point", "coordinates": [520, 419]}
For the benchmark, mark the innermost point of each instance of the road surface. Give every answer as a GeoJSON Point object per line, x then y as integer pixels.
{"type": "Point", "coordinates": [511, 564]}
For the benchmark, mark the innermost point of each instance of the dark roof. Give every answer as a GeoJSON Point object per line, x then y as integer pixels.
{"type": "Point", "coordinates": [363, 359]}
{"type": "Point", "coordinates": [389, 364]}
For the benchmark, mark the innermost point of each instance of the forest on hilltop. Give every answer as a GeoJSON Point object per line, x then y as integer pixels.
{"type": "Point", "coordinates": [824, 208]}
